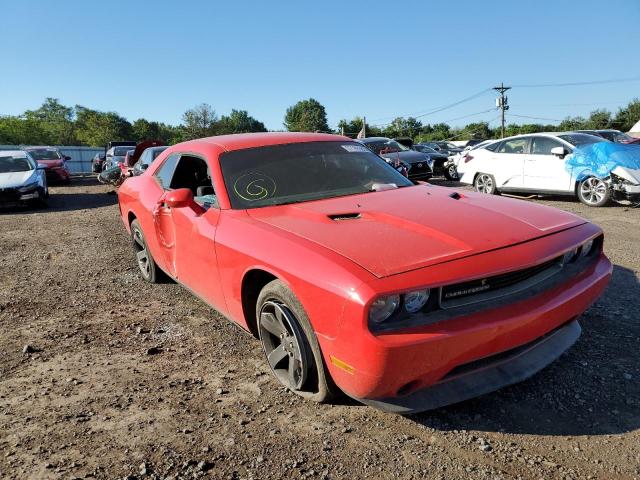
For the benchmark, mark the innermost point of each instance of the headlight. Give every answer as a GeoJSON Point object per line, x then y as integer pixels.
{"type": "Point", "coordinates": [570, 256]}
{"type": "Point", "coordinates": [383, 307]}
{"type": "Point", "coordinates": [414, 301]}
{"type": "Point", "coordinates": [28, 187]}
{"type": "Point", "coordinates": [586, 248]}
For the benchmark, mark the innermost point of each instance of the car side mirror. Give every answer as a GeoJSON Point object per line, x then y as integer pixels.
{"type": "Point", "coordinates": [144, 166]}
{"type": "Point", "coordinates": [558, 152]}
{"type": "Point", "coordinates": [182, 198]}
{"type": "Point", "coordinates": [179, 198]}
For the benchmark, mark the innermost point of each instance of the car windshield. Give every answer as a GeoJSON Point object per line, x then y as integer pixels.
{"type": "Point", "coordinates": [425, 149]}
{"type": "Point", "coordinates": [121, 151]}
{"type": "Point", "coordinates": [620, 137]}
{"type": "Point", "coordinates": [14, 163]}
{"type": "Point", "coordinates": [299, 172]}
{"type": "Point", "coordinates": [577, 139]}
{"type": "Point", "coordinates": [44, 154]}
{"type": "Point", "coordinates": [158, 151]}
{"type": "Point", "coordinates": [385, 146]}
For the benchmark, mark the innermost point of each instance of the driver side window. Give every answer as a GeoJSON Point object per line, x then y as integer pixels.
{"type": "Point", "coordinates": [543, 145]}
{"type": "Point", "coordinates": [193, 173]}
{"type": "Point", "coordinates": [165, 172]}
{"type": "Point", "coordinates": [515, 145]}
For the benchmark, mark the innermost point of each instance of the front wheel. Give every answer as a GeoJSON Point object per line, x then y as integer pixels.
{"type": "Point", "coordinates": [594, 192]}
{"type": "Point", "coordinates": [147, 265]}
{"type": "Point", "coordinates": [485, 183]}
{"type": "Point", "coordinates": [290, 345]}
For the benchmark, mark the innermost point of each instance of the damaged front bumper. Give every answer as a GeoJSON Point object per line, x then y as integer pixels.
{"type": "Point", "coordinates": [485, 375]}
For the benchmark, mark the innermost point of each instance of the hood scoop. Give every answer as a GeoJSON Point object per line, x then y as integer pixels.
{"type": "Point", "coordinates": [344, 216]}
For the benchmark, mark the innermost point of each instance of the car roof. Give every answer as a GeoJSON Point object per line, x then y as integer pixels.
{"type": "Point", "coordinates": [242, 141]}
{"type": "Point", "coordinates": [38, 147]}
{"type": "Point", "coordinates": [14, 153]}
{"type": "Point", "coordinates": [544, 134]}
{"type": "Point", "coordinates": [374, 139]}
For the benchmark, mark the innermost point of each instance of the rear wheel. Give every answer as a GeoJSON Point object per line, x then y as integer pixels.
{"type": "Point", "coordinates": [594, 192]}
{"type": "Point", "coordinates": [290, 345]}
{"type": "Point", "coordinates": [147, 265]}
{"type": "Point", "coordinates": [485, 183]}
{"type": "Point", "coordinates": [451, 173]}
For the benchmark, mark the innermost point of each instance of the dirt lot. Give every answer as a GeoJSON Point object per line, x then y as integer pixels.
{"type": "Point", "coordinates": [90, 402]}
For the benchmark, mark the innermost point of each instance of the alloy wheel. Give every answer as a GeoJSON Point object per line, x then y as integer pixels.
{"type": "Point", "coordinates": [484, 183]}
{"type": "Point", "coordinates": [453, 172]}
{"type": "Point", "coordinates": [142, 255]}
{"type": "Point", "coordinates": [284, 345]}
{"type": "Point", "coordinates": [593, 190]}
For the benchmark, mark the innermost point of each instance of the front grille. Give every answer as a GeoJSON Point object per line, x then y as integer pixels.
{"type": "Point", "coordinates": [420, 169]}
{"type": "Point", "coordinates": [498, 285]}
{"type": "Point", "coordinates": [9, 195]}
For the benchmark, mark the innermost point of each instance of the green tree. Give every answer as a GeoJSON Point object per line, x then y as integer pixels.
{"type": "Point", "coordinates": [96, 128]}
{"type": "Point", "coordinates": [573, 123]}
{"type": "Point", "coordinates": [56, 121]}
{"type": "Point", "coordinates": [599, 119]}
{"type": "Point", "coordinates": [354, 126]}
{"type": "Point", "coordinates": [21, 131]}
{"type": "Point", "coordinates": [239, 121]}
{"type": "Point", "coordinates": [143, 129]}
{"type": "Point", "coordinates": [403, 127]}
{"type": "Point", "coordinates": [306, 116]}
{"type": "Point", "coordinates": [199, 122]}
{"type": "Point", "coordinates": [475, 130]}
{"type": "Point", "coordinates": [628, 116]}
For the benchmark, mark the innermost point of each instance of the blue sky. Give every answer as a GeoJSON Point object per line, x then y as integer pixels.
{"type": "Point", "coordinates": [378, 59]}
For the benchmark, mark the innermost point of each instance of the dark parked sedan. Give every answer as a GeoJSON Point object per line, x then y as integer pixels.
{"type": "Point", "coordinates": [417, 163]}
{"type": "Point", "coordinates": [438, 160]}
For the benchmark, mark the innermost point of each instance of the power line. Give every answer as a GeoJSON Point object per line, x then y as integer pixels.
{"type": "Point", "coordinates": [424, 113]}
{"type": "Point", "coordinates": [535, 118]}
{"type": "Point", "coordinates": [467, 116]}
{"type": "Point", "coordinates": [575, 84]}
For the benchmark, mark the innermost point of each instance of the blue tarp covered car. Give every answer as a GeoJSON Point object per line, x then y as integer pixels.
{"type": "Point", "coordinates": [617, 165]}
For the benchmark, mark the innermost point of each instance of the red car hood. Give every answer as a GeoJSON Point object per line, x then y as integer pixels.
{"type": "Point", "coordinates": [400, 230]}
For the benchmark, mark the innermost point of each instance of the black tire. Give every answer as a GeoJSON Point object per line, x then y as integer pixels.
{"type": "Point", "coordinates": [301, 349]}
{"type": "Point", "coordinates": [594, 192]}
{"type": "Point", "coordinates": [451, 173]}
{"type": "Point", "coordinates": [149, 271]}
{"type": "Point", "coordinates": [485, 183]}
{"type": "Point", "coordinates": [41, 201]}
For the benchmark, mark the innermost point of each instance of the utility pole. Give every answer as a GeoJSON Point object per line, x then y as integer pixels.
{"type": "Point", "coordinates": [502, 102]}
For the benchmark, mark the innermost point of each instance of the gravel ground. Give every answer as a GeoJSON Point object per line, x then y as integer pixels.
{"type": "Point", "coordinates": [122, 379]}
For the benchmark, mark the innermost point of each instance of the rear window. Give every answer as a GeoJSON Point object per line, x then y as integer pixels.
{"type": "Point", "coordinates": [577, 139]}
{"type": "Point", "coordinates": [121, 151]}
{"type": "Point", "coordinates": [44, 154]}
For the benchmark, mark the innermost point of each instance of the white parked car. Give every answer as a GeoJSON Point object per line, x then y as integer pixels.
{"type": "Point", "coordinates": [22, 180]}
{"type": "Point", "coordinates": [535, 163]}
{"type": "Point", "coordinates": [452, 164]}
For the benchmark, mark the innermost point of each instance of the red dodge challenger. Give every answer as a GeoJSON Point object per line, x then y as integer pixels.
{"type": "Point", "coordinates": [405, 297]}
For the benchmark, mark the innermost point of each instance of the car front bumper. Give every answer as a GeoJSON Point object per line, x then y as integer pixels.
{"type": "Point", "coordinates": [59, 174]}
{"type": "Point", "coordinates": [485, 375]}
{"type": "Point", "coordinates": [388, 367]}
{"type": "Point", "coordinates": [12, 196]}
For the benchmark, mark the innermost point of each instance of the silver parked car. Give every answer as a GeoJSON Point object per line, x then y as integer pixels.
{"type": "Point", "coordinates": [22, 180]}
